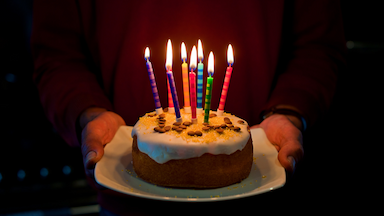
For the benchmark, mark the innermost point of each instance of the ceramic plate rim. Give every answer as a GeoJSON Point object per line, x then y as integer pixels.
{"type": "Point", "coordinates": [109, 180]}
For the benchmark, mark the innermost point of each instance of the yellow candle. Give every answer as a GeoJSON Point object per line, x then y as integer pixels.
{"type": "Point", "coordinates": [184, 70]}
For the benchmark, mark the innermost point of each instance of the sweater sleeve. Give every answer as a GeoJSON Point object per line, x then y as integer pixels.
{"type": "Point", "coordinates": [313, 53]}
{"type": "Point", "coordinates": [65, 79]}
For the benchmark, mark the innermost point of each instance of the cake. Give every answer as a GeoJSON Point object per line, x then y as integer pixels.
{"type": "Point", "coordinates": [182, 154]}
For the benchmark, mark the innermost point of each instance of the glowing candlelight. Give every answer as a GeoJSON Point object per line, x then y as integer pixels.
{"type": "Point", "coordinates": [192, 84]}
{"type": "Point", "coordinates": [227, 79]}
{"type": "Point", "coordinates": [208, 94]}
{"type": "Point", "coordinates": [152, 80]}
{"type": "Point", "coordinates": [184, 70]}
{"type": "Point", "coordinates": [200, 67]}
{"type": "Point", "coordinates": [171, 108]}
{"type": "Point", "coordinates": [168, 66]}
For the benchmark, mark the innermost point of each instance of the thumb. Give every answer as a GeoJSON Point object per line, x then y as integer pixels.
{"type": "Point", "coordinates": [92, 150]}
{"type": "Point", "coordinates": [92, 155]}
{"type": "Point", "coordinates": [289, 155]}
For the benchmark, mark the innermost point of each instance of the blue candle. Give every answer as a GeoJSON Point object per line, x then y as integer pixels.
{"type": "Point", "coordinates": [200, 67]}
{"type": "Point", "coordinates": [174, 95]}
{"type": "Point", "coordinates": [168, 66]}
{"type": "Point", "coordinates": [155, 93]}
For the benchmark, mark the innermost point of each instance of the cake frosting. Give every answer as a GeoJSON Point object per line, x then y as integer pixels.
{"type": "Point", "coordinates": [164, 145]}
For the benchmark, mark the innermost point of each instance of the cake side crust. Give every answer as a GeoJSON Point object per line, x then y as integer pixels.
{"type": "Point", "coordinates": [206, 171]}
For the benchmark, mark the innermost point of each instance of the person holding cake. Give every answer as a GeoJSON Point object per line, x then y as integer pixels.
{"type": "Point", "coordinates": [89, 68]}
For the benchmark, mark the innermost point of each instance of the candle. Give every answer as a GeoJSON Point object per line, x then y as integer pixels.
{"type": "Point", "coordinates": [227, 79]}
{"type": "Point", "coordinates": [184, 70]}
{"type": "Point", "coordinates": [171, 108]}
{"type": "Point", "coordinates": [152, 80]}
{"type": "Point", "coordinates": [168, 66]}
{"type": "Point", "coordinates": [200, 68]}
{"type": "Point", "coordinates": [192, 84]}
{"type": "Point", "coordinates": [208, 94]}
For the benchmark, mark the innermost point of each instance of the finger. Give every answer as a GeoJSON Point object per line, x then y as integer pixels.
{"type": "Point", "coordinates": [290, 154]}
{"type": "Point", "coordinates": [92, 152]}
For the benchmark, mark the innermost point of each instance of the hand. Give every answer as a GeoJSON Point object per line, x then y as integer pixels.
{"type": "Point", "coordinates": [99, 127]}
{"type": "Point", "coordinates": [286, 137]}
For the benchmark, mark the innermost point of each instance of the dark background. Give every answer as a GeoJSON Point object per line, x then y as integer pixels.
{"type": "Point", "coordinates": [40, 173]}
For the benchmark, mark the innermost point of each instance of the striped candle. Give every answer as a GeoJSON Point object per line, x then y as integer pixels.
{"type": "Point", "coordinates": [174, 96]}
{"type": "Point", "coordinates": [171, 108]}
{"type": "Point", "coordinates": [168, 66]}
{"type": "Point", "coordinates": [152, 80]}
{"type": "Point", "coordinates": [200, 67]}
{"type": "Point", "coordinates": [208, 94]}
{"type": "Point", "coordinates": [227, 79]}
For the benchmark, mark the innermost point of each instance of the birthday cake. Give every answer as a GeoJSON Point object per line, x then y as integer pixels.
{"type": "Point", "coordinates": [183, 154]}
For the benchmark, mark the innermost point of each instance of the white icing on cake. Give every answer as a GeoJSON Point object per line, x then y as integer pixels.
{"type": "Point", "coordinates": [163, 147]}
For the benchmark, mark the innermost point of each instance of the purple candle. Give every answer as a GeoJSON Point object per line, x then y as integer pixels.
{"type": "Point", "coordinates": [152, 80]}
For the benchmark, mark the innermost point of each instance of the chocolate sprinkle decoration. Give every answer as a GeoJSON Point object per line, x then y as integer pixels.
{"type": "Point", "coordinates": [227, 120]}
{"type": "Point", "coordinates": [237, 129]}
{"type": "Point", "coordinates": [206, 128]}
{"type": "Point", "coordinates": [219, 130]}
{"type": "Point", "coordinates": [175, 127]}
{"type": "Point", "coordinates": [212, 115]}
{"type": "Point", "coordinates": [167, 128]}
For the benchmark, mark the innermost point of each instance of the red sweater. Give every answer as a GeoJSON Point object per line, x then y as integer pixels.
{"type": "Point", "coordinates": [91, 53]}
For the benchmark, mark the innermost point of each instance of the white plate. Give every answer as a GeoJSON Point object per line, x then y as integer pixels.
{"type": "Point", "coordinates": [115, 171]}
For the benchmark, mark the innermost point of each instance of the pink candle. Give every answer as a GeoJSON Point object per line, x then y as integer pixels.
{"type": "Point", "coordinates": [227, 79]}
{"type": "Point", "coordinates": [192, 84]}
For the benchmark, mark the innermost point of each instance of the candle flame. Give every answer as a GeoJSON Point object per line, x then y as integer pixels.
{"type": "Point", "coordinates": [183, 52]}
{"type": "Point", "coordinates": [230, 55]}
{"type": "Point", "coordinates": [193, 60]}
{"type": "Point", "coordinates": [211, 63]}
{"type": "Point", "coordinates": [168, 62]}
{"type": "Point", "coordinates": [146, 53]}
{"type": "Point", "coordinates": [200, 50]}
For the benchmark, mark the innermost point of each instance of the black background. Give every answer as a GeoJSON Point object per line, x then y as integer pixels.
{"type": "Point", "coordinates": [338, 151]}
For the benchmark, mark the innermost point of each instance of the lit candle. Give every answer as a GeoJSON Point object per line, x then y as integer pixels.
{"type": "Point", "coordinates": [192, 84]}
{"type": "Point", "coordinates": [168, 66]}
{"type": "Point", "coordinates": [152, 80]}
{"type": "Point", "coordinates": [227, 79]}
{"type": "Point", "coordinates": [208, 94]}
{"type": "Point", "coordinates": [184, 70]}
{"type": "Point", "coordinates": [200, 68]}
